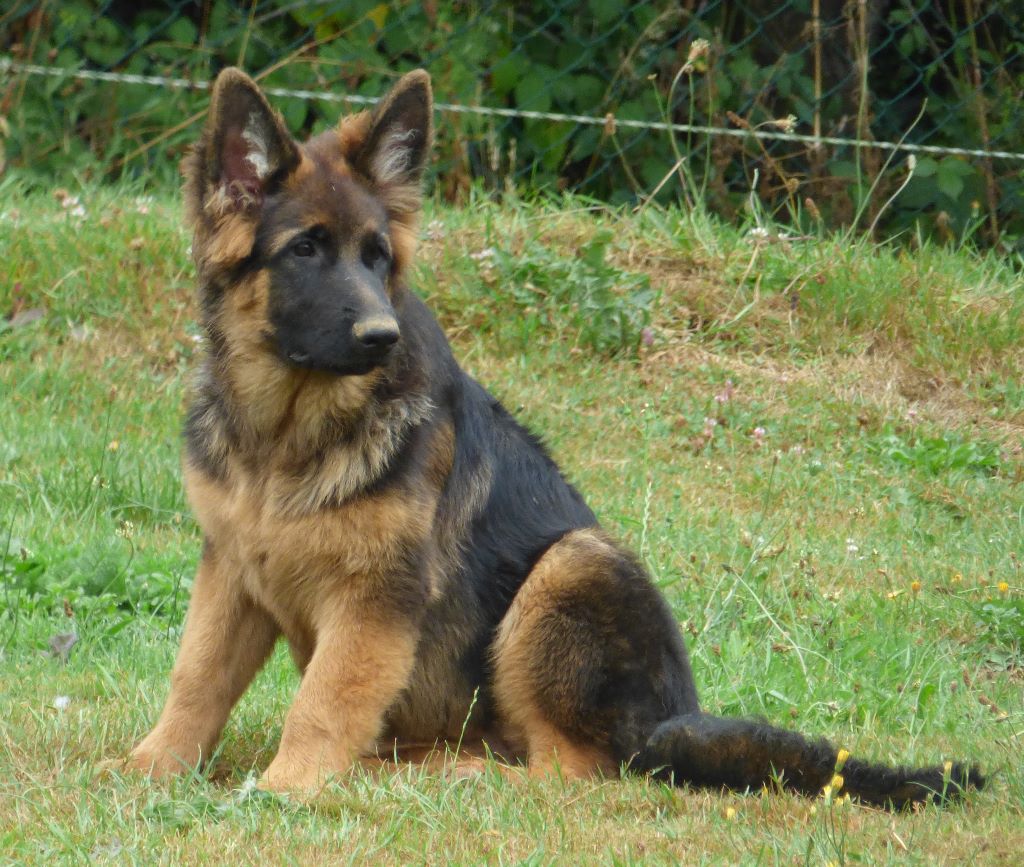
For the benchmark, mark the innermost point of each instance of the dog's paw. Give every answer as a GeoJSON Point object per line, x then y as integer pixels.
{"type": "Point", "coordinates": [158, 761]}
{"type": "Point", "coordinates": [281, 783]}
{"type": "Point", "coordinates": [297, 777]}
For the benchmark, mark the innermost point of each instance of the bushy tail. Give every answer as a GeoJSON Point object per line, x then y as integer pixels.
{"type": "Point", "coordinates": [741, 754]}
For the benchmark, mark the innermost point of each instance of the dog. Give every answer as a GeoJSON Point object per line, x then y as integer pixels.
{"type": "Point", "coordinates": [434, 574]}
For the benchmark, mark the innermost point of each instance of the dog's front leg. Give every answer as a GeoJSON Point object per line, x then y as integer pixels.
{"type": "Point", "coordinates": [226, 640]}
{"type": "Point", "coordinates": [360, 665]}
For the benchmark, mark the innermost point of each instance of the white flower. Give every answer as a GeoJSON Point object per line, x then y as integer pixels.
{"type": "Point", "coordinates": [786, 124]}
{"type": "Point", "coordinates": [61, 702]}
{"type": "Point", "coordinates": [247, 788]}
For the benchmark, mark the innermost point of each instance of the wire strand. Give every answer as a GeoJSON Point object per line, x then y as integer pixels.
{"type": "Point", "coordinates": [10, 66]}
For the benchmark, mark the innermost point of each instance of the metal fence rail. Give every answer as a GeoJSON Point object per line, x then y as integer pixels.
{"type": "Point", "coordinates": [804, 99]}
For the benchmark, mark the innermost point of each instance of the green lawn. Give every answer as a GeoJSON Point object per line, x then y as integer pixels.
{"type": "Point", "coordinates": [817, 448]}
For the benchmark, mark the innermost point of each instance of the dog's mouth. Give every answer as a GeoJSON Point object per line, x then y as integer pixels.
{"type": "Point", "coordinates": [352, 367]}
{"type": "Point", "coordinates": [330, 359]}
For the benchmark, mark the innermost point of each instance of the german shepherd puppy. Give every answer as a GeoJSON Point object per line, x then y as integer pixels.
{"type": "Point", "coordinates": [434, 574]}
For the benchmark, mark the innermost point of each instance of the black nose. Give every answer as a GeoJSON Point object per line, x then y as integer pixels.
{"type": "Point", "coordinates": [377, 333]}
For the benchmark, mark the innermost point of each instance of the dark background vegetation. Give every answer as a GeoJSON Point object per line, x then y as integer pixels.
{"type": "Point", "coordinates": [940, 73]}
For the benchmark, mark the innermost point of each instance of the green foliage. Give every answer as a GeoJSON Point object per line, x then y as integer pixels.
{"type": "Point", "coordinates": [961, 74]}
{"type": "Point", "coordinates": [939, 454]}
{"type": "Point", "coordinates": [599, 305]}
{"type": "Point", "coordinates": [103, 578]}
{"type": "Point", "coordinates": [1000, 621]}
{"type": "Point", "coordinates": [22, 573]}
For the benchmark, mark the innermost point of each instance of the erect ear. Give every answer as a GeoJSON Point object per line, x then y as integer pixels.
{"type": "Point", "coordinates": [401, 128]}
{"type": "Point", "coordinates": [246, 148]}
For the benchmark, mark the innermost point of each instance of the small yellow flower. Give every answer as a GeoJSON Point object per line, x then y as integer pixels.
{"type": "Point", "coordinates": [730, 812]}
{"type": "Point", "coordinates": [837, 782]}
{"type": "Point", "coordinates": [957, 578]}
{"type": "Point", "coordinates": [826, 793]}
{"type": "Point", "coordinates": [915, 586]}
{"type": "Point", "coordinates": [947, 768]}
{"type": "Point", "coordinates": [841, 758]}
{"type": "Point", "coordinates": [1004, 587]}
{"type": "Point", "coordinates": [113, 446]}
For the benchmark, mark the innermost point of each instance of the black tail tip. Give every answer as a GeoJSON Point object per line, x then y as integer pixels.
{"type": "Point", "coordinates": [902, 788]}
{"type": "Point", "coordinates": [960, 778]}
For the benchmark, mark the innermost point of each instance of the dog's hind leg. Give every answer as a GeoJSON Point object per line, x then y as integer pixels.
{"type": "Point", "coordinates": [587, 660]}
{"type": "Point", "coordinates": [227, 639]}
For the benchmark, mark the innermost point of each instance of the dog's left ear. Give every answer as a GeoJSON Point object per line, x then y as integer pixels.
{"type": "Point", "coordinates": [395, 150]}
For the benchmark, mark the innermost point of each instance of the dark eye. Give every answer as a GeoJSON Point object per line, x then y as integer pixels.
{"type": "Point", "coordinates": [376, 250]}
{"type": "Point", "coordinates": [305, 247]}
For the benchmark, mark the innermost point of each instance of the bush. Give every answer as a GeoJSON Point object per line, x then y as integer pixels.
{"type": "Point", "coordinates": [959, 77]}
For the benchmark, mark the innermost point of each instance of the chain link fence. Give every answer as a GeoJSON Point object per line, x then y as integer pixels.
{"type": "Point", "coordinates": [903, 114]}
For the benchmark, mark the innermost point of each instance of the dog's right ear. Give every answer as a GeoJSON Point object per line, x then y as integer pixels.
{"type": "Point", "coordinates": [245, 149]}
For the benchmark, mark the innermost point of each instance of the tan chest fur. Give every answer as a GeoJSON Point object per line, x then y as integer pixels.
{"type": "Point", "coordinates": [303, 567]}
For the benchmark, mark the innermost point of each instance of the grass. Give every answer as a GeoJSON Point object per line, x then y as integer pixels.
{"type": "Point", "coordinates": [814, 443]}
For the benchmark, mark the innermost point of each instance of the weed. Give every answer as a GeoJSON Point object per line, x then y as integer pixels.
{"type": "Point", "coordinates": [948, 453]}
{"type": "Point", "coordinates": [591, 301]}
{"type": "Point", "coordinates": [1001, 622]}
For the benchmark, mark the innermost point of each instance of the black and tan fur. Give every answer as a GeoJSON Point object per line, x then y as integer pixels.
{"type": "Point", "coordinates": [363, 497]}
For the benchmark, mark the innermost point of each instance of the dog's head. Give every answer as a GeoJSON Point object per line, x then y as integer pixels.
{"type": "Point", "coordinates": [301, 247]}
